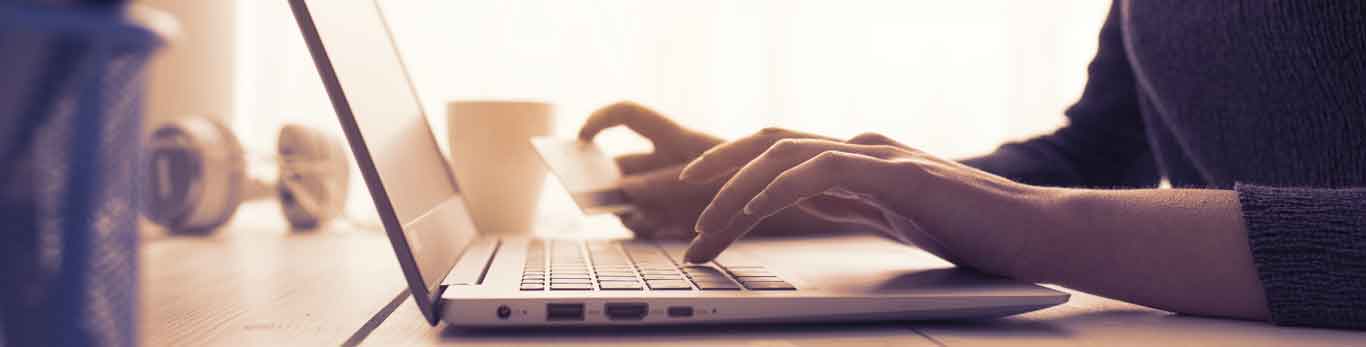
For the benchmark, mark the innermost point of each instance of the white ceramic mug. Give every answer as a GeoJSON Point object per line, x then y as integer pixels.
{"type": "Point", "coordinates": [495, 166]}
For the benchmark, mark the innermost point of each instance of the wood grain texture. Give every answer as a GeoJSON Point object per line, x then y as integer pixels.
{"type": "Point", "coordinates": [253, 285]}
{"type": "Point", "coordinates": [257, 284]}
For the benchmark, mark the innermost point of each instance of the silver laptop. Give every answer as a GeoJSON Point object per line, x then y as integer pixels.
{"type": "Point", "coordinates": [464, 278]}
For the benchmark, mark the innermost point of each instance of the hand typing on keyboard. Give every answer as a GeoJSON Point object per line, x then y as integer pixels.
{"type": "Point", "coordinates": [729, 190]}
{"type": "Point", "coordinates": [913, 196]}
{"type": "Point", "coordinates": [667, 207]}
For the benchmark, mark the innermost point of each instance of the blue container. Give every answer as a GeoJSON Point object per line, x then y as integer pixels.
{"type": "Point", "coordinates": [71, 84]}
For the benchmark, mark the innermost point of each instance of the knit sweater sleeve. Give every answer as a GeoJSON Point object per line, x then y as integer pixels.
{"type": "Point", "coordinates": [1309, 246]}
{"type": "Point", "coordinates": [1104, 143]}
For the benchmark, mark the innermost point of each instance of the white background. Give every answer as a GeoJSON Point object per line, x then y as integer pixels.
{"type": "Point", "coordinates": [955, 78]}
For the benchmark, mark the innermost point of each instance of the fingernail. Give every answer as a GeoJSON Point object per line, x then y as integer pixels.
{"type": "Point", "coordinates": [749, 207]}
{"type": "Point", "coordinates": [689, 172]}
{"type": "Point", "coordinates": [688, 175]}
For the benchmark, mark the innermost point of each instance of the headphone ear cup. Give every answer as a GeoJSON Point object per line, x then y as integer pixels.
{"type": "Point", "coordinates": [196, 171]}
{"type": "Point", "coordinates": [314, 176]}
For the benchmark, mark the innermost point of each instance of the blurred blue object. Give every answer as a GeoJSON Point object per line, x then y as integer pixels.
{"type": "Point", "coordinates": [70, 135]}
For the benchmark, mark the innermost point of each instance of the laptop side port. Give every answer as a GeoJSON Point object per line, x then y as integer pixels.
{"type": "Point", "coordinates": [563, 312]}
{"type": "Point", "coordinates": [680, 311]}
{"type": "Point", "coordinates": [626, 310]}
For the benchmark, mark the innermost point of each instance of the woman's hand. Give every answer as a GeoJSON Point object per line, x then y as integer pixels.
{"type": "Point", "coordinates": [941, 205]}
{"type": "Point", "coordinates": [1181, 250]}
{"type": "Point", "coordinates": [665, 206]}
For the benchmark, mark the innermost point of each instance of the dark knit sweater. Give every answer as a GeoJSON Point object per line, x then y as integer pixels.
{"type": "Point", "coordinates": [1265, 97]}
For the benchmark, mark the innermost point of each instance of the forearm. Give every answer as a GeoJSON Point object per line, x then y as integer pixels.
{"type": "Point", "coordinates": [1179, 250]}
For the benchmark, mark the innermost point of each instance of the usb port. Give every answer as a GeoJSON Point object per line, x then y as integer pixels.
{"type": "Point", "coordinates": [680, 311]}
{"type": "Point", "coordinates": [626, 311]}
{"type": "Point", "coordinates": [563, 311]}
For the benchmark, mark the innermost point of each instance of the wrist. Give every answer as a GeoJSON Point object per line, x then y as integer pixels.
{"type": "Point", "coordinates": [1047, 213]}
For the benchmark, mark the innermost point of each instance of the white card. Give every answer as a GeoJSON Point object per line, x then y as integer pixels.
{"type": "Point", "coordinates": [590, 175]}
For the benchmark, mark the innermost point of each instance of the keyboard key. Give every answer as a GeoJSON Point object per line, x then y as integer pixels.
{"type": "Point", "coordinates": [570, 280]}
{"type": "Point", "coordinates": [769, 286]}
{"type": "Point", "coordinates": [716, 285]}
{"type": "Point", "coordinates": [656, 266]}
{"type": "Point", "coordinates": [571, 286]}
{"type": "Point", "coordinates": [709, 270]}
{"type": "Point", "coordinates": [531, 287]}
{"type": "Point", "coordinates": [699, 267]}
{"type": "Point", "coordinates": [659, 272]}
{"type": "Point", "coordinates": [616, 278]}
{"type": "Point", "coordinates": [695, 274]}
{"type": "Point", "coordinates": [709, 278]}
{"type": "Point", "coordinates": [749, 265]}
{"type": "Point", "coordinates": [703, 272]}
{"type": "Point", "coordinates": [558, 276]}
{"type": "Point", "coordinates": [669, 285]}
{"type": "Point", "coordinates": [620, 286]}
{"type": "Point", "coordinates": [750, 272]}
{"type": "Point", "coordinates": [747, 279]}
{"type": "Point", "coordinates": [616, 273]}
{"type": "Point", "coordinates": [649, 277]}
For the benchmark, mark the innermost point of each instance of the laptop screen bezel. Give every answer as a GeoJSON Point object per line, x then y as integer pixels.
{"type": "Point", "coordinates": [436, 258]}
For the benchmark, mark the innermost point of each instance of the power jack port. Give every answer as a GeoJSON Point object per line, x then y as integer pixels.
{"type": "Point", "coordinates": [504, 311]}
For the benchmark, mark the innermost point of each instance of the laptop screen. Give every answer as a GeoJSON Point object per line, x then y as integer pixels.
{"type": "Point", "coordinates": [407, 176]}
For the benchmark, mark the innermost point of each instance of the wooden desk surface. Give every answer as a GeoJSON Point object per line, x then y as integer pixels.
{"type": "Point", "coordinates": [257, 284]}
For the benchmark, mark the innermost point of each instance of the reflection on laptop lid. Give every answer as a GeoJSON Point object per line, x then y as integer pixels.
{"type": "Point", "coordinates": [407, 176]}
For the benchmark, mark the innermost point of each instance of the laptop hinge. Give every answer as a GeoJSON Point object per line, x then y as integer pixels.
{"type": "Point", "coordinates": [474, 264]}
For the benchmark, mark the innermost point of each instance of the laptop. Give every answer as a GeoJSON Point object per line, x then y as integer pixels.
{"type": "Point", "coordinates": [464, 278]}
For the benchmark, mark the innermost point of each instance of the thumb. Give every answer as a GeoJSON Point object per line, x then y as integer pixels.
{"type": "Point", "coordinates": [659, 129]}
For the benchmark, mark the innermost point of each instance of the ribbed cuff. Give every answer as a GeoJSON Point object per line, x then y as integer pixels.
{"type": "Point", "coordinates": [1309, 246]}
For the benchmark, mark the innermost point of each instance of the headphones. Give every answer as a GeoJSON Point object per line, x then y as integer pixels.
{"type": "Point", "coordinates": [197, 176]}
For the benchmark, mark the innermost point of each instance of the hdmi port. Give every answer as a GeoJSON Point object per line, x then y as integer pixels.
{"type": "Point", "coordinates": [626, 311]}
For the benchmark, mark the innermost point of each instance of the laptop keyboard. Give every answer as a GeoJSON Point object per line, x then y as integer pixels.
{"type": "Point", "coordinates": [574, 265]}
